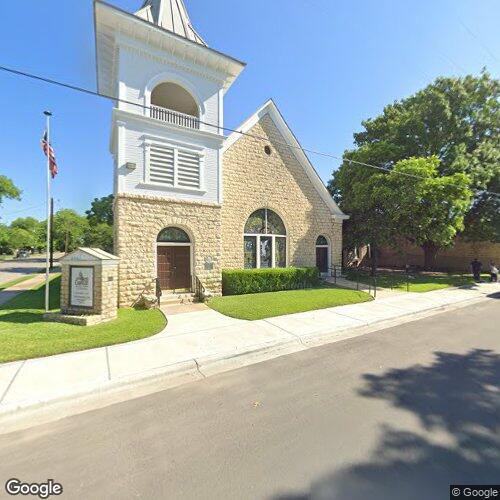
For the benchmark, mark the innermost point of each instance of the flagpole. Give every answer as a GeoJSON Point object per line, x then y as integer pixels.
{"type": "Point", "coordinates": [48, 114]}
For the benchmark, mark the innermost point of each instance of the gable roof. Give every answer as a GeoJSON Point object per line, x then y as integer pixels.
{"type": "Point", "coordinates": [89, 254]}
{"type": "Point", "coordinates": [270, 108]}
{"type": "Point", "coordinates": [171, 15]}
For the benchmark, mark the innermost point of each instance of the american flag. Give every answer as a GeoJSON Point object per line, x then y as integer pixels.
{"type": "Point", "coordinates": [49, 151]}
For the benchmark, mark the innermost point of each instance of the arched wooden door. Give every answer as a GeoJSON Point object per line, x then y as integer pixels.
{"type": "Point", "coordinates": [173, 259]}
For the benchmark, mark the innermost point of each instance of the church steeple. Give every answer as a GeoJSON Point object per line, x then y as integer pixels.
{"type": "Point", "coordinates": [170, 15]}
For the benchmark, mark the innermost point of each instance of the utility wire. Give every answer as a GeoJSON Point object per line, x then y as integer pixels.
{"type": "Point", "coordinates": [483, 45]}
{"type": "Point", "coordinates": [22, 210]}
{"type": "Point", "coordinates": [265, 139]}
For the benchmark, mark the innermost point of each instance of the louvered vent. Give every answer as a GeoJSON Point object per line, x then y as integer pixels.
{"type": "Point", "coordinates": [161, 165]}
{"type": "Point", "coordinates": [188, 169]}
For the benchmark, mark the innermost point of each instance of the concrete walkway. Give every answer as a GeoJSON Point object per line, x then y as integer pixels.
{"type": "Point", "coordinates": [381, 292]}
{"type": "Point", "coordinates": [199, 343]}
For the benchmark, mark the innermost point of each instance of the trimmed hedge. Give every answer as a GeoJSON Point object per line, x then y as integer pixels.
{"type": "Point", "coordinates": [243, 281]}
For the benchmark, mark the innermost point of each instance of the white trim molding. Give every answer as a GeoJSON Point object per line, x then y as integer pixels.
{"type": "Point", "coordinates": [172, 77]}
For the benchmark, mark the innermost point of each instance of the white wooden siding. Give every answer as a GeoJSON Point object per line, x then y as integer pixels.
{"type": "Point", "coordinates": [134, 151]}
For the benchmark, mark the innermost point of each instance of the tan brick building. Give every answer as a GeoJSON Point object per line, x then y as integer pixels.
{"type": "Point", "coordinates": [190, 201]}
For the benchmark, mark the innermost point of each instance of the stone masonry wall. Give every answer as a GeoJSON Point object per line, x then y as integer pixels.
{"type": "Point", "coordinates": [139, 219]}
{"type": "Point", "coordinates": [105, 292]}
{"type": "Point", "coordinates": [252, 180]}
{"type": "Point", "coordinates": [109, 291]}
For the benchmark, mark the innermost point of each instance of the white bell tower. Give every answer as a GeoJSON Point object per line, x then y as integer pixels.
{"type": "Point", "coordinates": [167, 131]}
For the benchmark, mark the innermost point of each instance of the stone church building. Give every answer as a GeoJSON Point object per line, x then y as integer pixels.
{"type": "Point", "coordinates": [189, 200]}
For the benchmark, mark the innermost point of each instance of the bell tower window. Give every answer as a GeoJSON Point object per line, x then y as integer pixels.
{"type": "Point", "coordinates": [173, 104]}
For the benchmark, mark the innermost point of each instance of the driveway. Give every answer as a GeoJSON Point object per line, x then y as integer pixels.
{"type": "Point", "coordinates": [399, 414]}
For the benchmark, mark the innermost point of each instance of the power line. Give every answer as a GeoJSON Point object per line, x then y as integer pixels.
{"type": "Point", "coordinates": [483, 45]}
{"type": "Point", "coordinates": [226, 129]}
{"type": "Point", "coordinates": [22, 210]}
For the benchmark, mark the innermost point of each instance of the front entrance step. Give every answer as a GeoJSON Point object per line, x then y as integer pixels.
{"type": "Point", "coordinates": [173, 298]}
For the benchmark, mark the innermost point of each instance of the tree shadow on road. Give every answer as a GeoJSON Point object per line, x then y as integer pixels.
{"type": "Point", "coordinates": [457, 401]}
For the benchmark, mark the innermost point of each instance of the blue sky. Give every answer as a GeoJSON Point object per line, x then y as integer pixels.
{"type": "Point", "coordinates": [327, 64]}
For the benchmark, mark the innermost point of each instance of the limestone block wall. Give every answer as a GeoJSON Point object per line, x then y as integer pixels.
{"type": "Point", "coordinates": [109, 291]}
{"type": "Point", "coordinates": [139, 219]}
{"type": "Point", "coordinates": [252, 179]}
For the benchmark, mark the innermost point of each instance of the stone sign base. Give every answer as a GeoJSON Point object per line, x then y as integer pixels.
{"type": "Point", "coordinates": [80, 320]}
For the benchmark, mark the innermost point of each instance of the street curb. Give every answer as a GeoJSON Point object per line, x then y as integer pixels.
{"type": "Point", "coordinates": [31, 413]}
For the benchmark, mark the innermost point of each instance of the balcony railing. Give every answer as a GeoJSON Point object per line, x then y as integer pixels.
{"type": "Point", "coordinates": [170, 116]}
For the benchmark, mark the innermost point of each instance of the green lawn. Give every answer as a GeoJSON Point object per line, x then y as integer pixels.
{"type": "Point", "coordinates": [266, 305]}
{"type": "Point", "coordinates": [24, 334]}
{"type": "Point", "coordinates": [422, 282]}
{"type": "Point", "coordinates": [7, 284]}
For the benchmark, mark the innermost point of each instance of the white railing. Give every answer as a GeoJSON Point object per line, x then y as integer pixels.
{"type": "Point", "coordinates": [170, 116]}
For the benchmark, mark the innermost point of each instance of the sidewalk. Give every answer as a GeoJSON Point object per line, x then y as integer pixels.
{"type": "Point", "coordinates": [381, 292]}
{"type": "Point", "coordinates": [200, 343]}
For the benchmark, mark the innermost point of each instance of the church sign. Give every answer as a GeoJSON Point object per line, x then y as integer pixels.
{"type": "Point", "coordinates": [81, 286]}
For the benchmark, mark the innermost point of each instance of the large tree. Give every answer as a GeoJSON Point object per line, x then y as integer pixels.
{"type": "Point", "coordinates": [34, 227]}
{"type": "Point", "coordinates": [69, 230]}
{"type": "Point", "coordinates": [101, 210]}
{"type": "Point", "coordinates": [455, 119]}
{"type": "Point", "coordinates": [422, 206]}
{"type": "Point", "coordinates": [4, 239]}
{"type": "Point", "coordinates": [19, 238]}
{"type": "Point", "coordinates": [8, 189]}
{"type": "Point", "coordinates": [100, 236]}
{"type": "Point", "coordinates": [352, 187]}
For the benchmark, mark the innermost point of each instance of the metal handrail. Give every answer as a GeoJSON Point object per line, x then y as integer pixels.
{"type": "Point", "coordinates": [199, 288]}
{"type": "Point", "coordinates": [158, 291]}
{"type": "Point", "coordinates": [371, 283]}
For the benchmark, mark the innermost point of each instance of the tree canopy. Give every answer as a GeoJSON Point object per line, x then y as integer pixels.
{"type": "Point", "coordinates": [21, 238]}
{"type": "Point", "coordinates": [69, 230]}
{"type": "Point", "coordinates": [8, 189]}
{"type": "Point", "coordinates": [455, 120]}
{"type": "Point", "coordinates": [422, 206]}
{"type": "Point", "coordinates": [101, 210]}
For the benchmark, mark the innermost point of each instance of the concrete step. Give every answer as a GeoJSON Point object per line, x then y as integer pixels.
{"type": "Point", "coordinates": [170, 298]}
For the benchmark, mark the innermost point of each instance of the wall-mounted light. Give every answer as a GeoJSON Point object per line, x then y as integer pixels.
{"type": "Point", "coordinates": [130, 166]}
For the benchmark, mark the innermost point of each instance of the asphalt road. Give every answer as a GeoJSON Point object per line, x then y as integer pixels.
{"type": "Point", "coordinates": [398, 414]}
{"type": "Point", "coordinates": [15, 268]}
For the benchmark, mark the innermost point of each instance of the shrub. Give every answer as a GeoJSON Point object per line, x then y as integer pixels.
{"type": "Point", "coordinates": [243, 281]}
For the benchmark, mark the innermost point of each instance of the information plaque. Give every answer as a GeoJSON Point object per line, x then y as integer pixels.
{"type": "Point", "coordinates": [82, 286]}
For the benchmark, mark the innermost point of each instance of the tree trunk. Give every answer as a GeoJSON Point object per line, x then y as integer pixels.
{"type": "Point", "coordinates": [430, 254]}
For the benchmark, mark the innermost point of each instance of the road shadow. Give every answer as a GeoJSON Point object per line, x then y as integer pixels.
{"type": "Point", "coordinates": [457, 399]}
{"type": "Point", "coordinates": [7, 295]}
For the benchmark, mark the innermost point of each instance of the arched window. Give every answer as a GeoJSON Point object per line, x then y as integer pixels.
{"type": "Point", "coordinates": [173, 235]}
{"type": "Point", "coordinates": [172, 96]}
{"type": "Point", "coordinates": [264, 240]}
{"type": "Point", "coordinates": [321, 241]}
